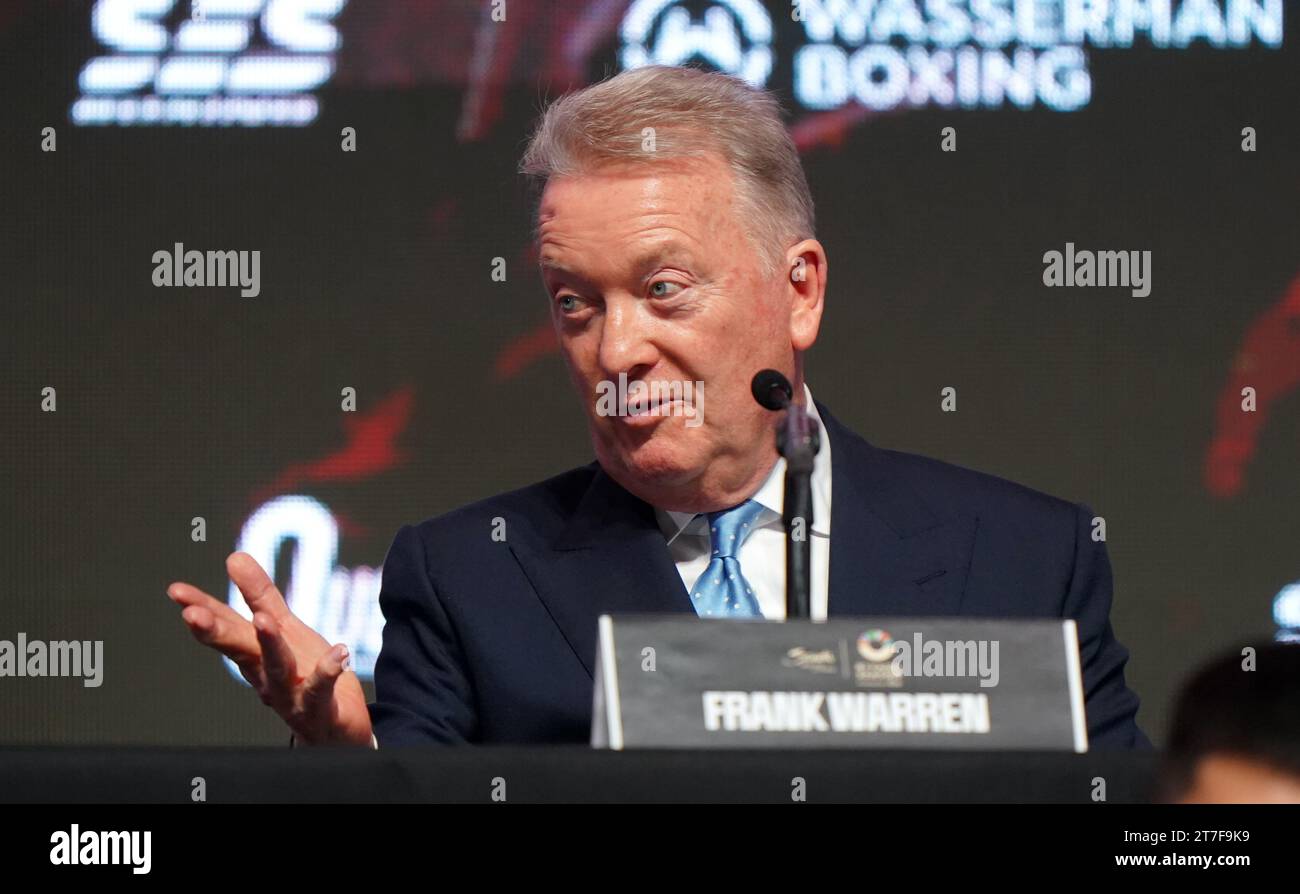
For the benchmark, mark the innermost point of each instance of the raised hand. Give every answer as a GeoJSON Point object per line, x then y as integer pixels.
{"type": "Point", "coordinates": [292, 667]}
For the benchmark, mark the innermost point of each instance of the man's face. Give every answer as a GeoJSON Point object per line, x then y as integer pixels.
{"type": "Point", "coordinates": [651, 275]}
{"type": "Point", "coordinates": [1229, 779]}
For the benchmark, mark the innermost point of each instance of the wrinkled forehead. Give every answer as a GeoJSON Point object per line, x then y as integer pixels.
{"type": "Point", "coordinates": [704, 178]}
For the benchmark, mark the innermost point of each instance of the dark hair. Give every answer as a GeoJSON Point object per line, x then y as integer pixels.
{"type": "Point", "coordinates": [1228, 709]}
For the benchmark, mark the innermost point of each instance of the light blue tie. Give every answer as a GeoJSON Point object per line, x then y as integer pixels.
{"type": "Point", "coordinates": [722, 591]}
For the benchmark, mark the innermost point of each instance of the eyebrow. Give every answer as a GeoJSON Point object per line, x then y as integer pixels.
{"type": "Point", "coordinates": [652, 256]}
{"type": "Point", "coordinates": [551, 264]}
{"type": "Point", "coordinates": [671, 250]}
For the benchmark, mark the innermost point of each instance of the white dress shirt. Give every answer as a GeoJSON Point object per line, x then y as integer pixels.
{"type": "Point", "coordinates": [762, 555]}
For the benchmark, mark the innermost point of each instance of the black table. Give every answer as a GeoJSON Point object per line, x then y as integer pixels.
{"type": "Point", "coordinates": [570, 774]}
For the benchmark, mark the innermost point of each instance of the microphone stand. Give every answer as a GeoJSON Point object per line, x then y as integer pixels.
{"type": "Point", "coordinates": [798, 439]}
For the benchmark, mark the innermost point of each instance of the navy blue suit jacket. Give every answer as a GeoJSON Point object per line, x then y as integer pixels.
{"type": "Point", "coordinates": [494, 641]}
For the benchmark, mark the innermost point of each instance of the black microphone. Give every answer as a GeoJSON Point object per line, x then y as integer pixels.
{"type": "Point", "coordinates": [771, 389]}
{"type": "Point", "coordinates": [798, 439]}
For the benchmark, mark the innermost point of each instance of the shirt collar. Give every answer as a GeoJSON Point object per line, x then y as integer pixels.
{"type": "Point", "coordinates": [771, 493]}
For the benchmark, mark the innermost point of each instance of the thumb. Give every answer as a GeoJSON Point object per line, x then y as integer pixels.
{"type": "Point", "coordinates": [318, 692]}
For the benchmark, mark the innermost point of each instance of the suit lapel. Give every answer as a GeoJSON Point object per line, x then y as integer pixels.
{"type": "Point", "coordinates": [891, 553]}
{"type": "Point", "coordinates": [611, 558]}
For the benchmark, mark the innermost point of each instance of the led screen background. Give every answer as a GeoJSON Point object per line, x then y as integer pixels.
{"type": "Point", "coordinates": [376, 274]}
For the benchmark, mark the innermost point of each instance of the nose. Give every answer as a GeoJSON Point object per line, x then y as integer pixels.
{"type": "Point", "coordinates": [625, 343]}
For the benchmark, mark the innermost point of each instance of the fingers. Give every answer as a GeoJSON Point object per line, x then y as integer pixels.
{"type": "Point", "coordinates": [184, 594]}
{"type": "Point", "coordinates": [259, 590]}
{"type": "Point", "coordinates": [201, 623]}
{"type": "Point", "coordinates": [236, 642]}
{"type": "Point", "coordinates": [318, 695]}
{"type": "Point", "coordinates": [231, 635]}
{"type": "Point", "coordinates": [278, 663]}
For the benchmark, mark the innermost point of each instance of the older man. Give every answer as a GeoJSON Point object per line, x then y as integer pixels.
{"type": "Point", "coordinates": [675, 233]}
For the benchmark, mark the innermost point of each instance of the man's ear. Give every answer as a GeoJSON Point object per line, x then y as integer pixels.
{"type": "Point", "coordinates": [806, 275]}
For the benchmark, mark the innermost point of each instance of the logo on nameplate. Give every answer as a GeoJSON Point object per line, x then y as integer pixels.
{"type": "Point", "coordinates": [819, 661]}
{"type": "Point", "coordinates": [878, 649]}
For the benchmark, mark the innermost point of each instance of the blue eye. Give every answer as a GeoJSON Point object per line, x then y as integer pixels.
{"type": "Point", "coordinates": [568, 303]}
{"type": "Point", "coordinates": [659, 293]}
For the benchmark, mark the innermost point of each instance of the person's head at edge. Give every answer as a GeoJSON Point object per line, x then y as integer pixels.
{"type": "Point", "coordinates": [675, 237]}
{"type": "Point", "coordinates": [1235, 731]}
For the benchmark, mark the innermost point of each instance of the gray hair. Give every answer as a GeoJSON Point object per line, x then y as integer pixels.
{"type": "Point", "coordinates": [692, 111]}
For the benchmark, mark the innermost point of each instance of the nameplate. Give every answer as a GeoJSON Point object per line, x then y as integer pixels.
{"type": "Point", "coordinates": [931, 683]}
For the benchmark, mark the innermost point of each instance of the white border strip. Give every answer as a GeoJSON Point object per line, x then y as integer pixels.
{"type": "Point", "coordinates": [609, 670]}
{"type": "Point", "coordinates": [1075, 679]}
